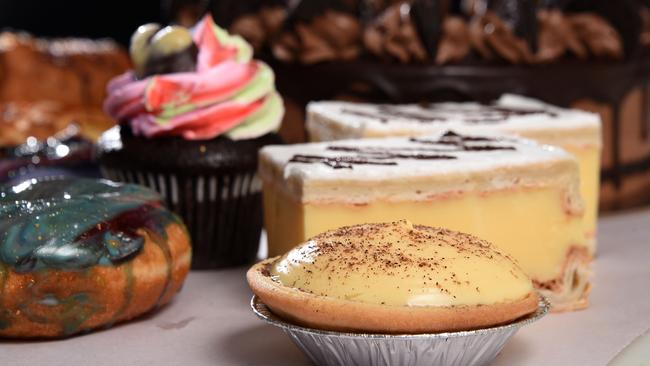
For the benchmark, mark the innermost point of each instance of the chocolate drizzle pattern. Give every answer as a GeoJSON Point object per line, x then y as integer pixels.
{"type": "Point", "coordinates": [442, 148]}
{"type": "Point", "coordinates": [339, 162]}
{"type": "Point", "coordinates": [485, 114]}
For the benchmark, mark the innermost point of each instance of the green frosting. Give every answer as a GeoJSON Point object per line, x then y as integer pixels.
{"type": "Point", "coordinates": [260, 87]}
{"type": "Point", "coordinates": [244, 50]}
{"type": "Point", "coordinates": [171, 110]}
{"type": "Point", "coordinates": [266, 119]}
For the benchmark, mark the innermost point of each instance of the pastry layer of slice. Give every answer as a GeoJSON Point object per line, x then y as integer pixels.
{"type": "Point", "coordinates": [575, 131]}
{"type": "Point", "coordinates": [394, 278]}
{"type": "Point", "coordinates": [519, 195]}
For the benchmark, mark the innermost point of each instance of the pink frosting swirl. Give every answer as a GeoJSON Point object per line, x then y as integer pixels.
{"type": "Point", "coordinates": [227, 90]}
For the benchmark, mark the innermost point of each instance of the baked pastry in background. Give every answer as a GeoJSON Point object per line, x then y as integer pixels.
{"type": "Point", "coordinates": [76, 255]}
{"type": "Point", "coordinates": [394, 278]}
{"type": "Point", "coordinates": [40, 120]}
{"type": "Point", "coordinates": [519, 195]}
{"type": "Point", "coordinates": [47, 84]}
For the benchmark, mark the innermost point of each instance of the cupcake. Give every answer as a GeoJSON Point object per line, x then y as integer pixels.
{"type": "Point", "coordinates": [192, 115]}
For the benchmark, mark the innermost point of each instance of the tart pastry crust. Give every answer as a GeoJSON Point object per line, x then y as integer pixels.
{"type": "Point", "coordinates": [328, 313]}
{"type": "Point", "coordinates": [394, 278]}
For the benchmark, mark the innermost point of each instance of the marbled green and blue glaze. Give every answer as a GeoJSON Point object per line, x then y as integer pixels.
{"type": "Point", "coordinates": [76, 224]}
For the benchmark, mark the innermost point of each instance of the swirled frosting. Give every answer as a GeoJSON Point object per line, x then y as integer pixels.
{"type": "Point", "coordinates": [228, 93]}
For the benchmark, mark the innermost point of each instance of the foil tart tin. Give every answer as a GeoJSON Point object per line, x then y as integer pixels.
{"type": "Point", "coordinates": [474, 347]}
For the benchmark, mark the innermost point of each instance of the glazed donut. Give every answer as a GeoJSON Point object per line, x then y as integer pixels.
{"type": "Point", "coordinates": [80, 254]}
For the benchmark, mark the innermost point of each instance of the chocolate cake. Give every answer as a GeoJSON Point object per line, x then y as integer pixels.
{"type": "Point", "coordinates": [592, 55]}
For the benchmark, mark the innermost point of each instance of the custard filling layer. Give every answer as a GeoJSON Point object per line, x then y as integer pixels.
{"type": "Point", "coordinates": [398, 264]}
{"type": "Point", "coordinates": [530, 224]}
{"type": "Point", "coordinates": [589, 167]}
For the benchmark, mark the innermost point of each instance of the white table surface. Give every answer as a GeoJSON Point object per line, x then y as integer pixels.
{"type": "Point", "coordinates": [210, 323]}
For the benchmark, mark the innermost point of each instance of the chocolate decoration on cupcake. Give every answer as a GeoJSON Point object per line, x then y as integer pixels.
{"type": "Point", "coordinates": [171, 50]}
{"type": "Point", "coordinates": [162, 51]}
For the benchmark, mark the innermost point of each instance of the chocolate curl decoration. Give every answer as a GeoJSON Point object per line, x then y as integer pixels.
{"type": "Point", "coordinates": [601, 39]}
{"type": "Point", "coordinates": [622, 15]}
{"type": "Point", "coordinates": [394, 36]}
{"type": "Point", "coordinates": [492, 37]}
{"type": "Point", "coordinates": [556, 36]}
{"type": "Point", "coordinates": [259, 27]}
{"type": "Point", "coordinates": [428, 17]}
{"type": "Point", "coordinates": [455, 43]}
{"type": "Point", "coordinates": [520, 16]}
{"type": "Point", "coordinates": [333, 35]}
{"type": "Point", "coordinates": [645, 33]}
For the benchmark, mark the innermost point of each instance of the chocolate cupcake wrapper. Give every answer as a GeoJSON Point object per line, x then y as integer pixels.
{"type": "Point", "coordinates": [222, 212]}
